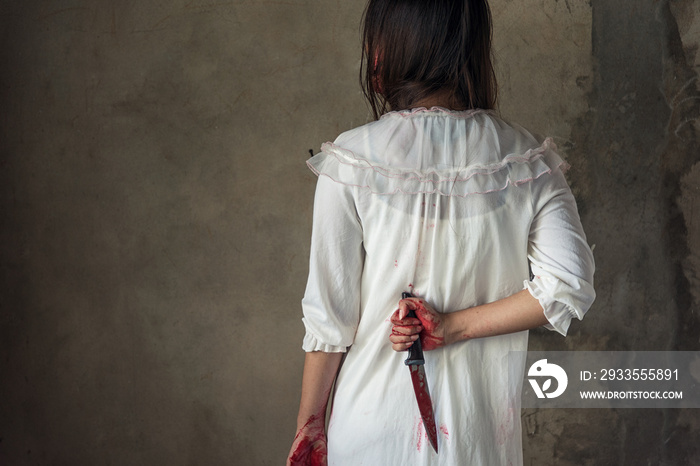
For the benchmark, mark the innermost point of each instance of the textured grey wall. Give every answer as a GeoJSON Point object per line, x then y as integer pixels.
{"type": "Point", "coordinates": [156, 214]}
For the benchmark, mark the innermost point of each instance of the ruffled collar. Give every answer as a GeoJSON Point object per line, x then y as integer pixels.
{"type": "Point", "coordinates": [433, 111]}
{"type": "Point", "coordinates": [469, 152]}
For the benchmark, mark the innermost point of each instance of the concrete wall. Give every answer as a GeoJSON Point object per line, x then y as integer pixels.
{"type": "Point", "coordinates": [156, 214]}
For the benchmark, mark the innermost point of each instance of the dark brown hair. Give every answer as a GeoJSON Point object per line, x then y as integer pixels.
{"type": "Point", "coordinates": [413, 49]}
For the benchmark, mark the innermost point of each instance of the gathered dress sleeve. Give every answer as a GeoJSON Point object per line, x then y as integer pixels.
{"type": "Point", "coordinates": [560, 258]}
{"type": "Point", "coordinates": [331, 303]}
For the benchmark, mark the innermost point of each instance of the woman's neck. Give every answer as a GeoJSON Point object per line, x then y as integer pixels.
{"type": "Point", "coordinates": [439, 99]}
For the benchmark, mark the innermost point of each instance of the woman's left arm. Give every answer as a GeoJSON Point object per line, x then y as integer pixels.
{"type": "Point", "coordinates": [561, 287]}
{"type": "Point", "coordinates": [515, 313]}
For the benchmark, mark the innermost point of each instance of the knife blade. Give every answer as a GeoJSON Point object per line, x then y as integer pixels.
{"type": "Point", "coordinates": [416, 362]}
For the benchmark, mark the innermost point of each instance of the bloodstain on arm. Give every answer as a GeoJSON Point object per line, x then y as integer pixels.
{"type": "Point", "coordinates": [310, 446]}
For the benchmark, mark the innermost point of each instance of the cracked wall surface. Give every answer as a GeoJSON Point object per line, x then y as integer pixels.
{"type": "Point", "coordinates": [635, 179]}
{"type": "Point", "coordinates": [155, 214]}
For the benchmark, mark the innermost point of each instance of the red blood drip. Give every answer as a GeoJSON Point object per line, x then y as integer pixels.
{"type": "Point", "coordinates": [419, 445]}
{"type": "Point", "coordinates": [425, 406]}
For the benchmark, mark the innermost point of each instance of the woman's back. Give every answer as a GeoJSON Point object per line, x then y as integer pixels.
{"type": "Point", "coordinates": [472, 216]}
{"type": "Point", "coordinates": [441, 204]}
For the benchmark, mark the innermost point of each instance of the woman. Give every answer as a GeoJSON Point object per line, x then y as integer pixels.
{"type": "Point", "coordinates": [473, 216]}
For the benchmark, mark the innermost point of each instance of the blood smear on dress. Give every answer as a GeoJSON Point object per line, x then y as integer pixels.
{"type": "Point", "coordinates": [420, 433]}
{"type": "Point", "coordinates": [443, 429]}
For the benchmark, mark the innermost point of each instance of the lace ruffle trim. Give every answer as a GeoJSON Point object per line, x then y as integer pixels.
{"type": "Point", "coordinates": [343, 166]}
{"type": "Point", "coordinates": [312, 343]}
{"type": "Point", "coordinates": [558, 314]}
{"type": "Point", "coordinates": [434, 110]}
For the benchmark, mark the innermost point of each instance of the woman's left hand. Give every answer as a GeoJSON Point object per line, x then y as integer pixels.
{"type": "Point", "coordinates": [429, 326]}
{"type": "Point", "coordinates": [310, 445]}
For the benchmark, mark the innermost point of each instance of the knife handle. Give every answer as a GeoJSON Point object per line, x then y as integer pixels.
{"type": "Point", "coordinates": [415, 351]}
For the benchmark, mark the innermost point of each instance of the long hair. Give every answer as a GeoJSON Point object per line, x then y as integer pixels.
{"type": "Point", "coordinates": [413, 49]}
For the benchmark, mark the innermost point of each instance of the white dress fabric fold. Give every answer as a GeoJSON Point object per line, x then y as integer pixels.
{"type": "Point", "coordinates": [458, 208]}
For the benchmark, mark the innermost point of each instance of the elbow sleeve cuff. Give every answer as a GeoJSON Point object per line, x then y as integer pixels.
{"type": "Point", "coordinates": [559, 307]}
{"type": "Point", "coordinates": [313, 342]}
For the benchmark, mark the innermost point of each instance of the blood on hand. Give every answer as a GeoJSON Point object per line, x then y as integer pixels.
{"type": "Point", "coordinates": [428, 324]}
{"type": "Point", "coordinates": [311, 449]}
{"type": "Point", "coordinates": [430, 336]}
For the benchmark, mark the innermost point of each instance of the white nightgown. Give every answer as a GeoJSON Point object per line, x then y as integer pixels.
{"type": "Point", "coordinates": [461, 209]}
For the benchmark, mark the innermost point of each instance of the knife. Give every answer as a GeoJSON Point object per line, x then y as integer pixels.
{"type": "Point", "coordinates": [416, 363]}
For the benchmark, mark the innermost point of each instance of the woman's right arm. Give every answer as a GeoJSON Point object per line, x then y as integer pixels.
{"type": "Point", "coordinates": [331, 308]}
{"type": "Point", "coordinates": [309, 447]}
